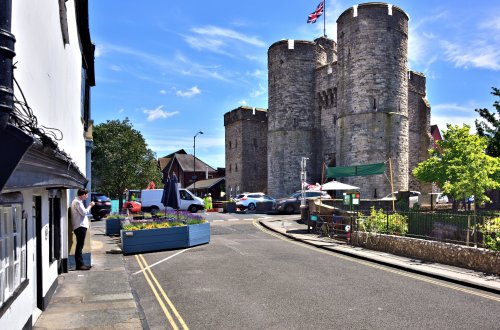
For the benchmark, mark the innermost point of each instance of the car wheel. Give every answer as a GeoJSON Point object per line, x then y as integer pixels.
{"type": "Point", "coordinates": [289, 209]}
{"type": "Point", "coordinates": [154, 209]}
{"type": "Point", "coordinates": [96, 217]}
{"type": "Point", "coordinates": [193, 209]}
{"type": "Point", "coordinates": [251, 207]}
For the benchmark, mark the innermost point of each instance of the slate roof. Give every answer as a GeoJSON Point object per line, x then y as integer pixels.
{"type": "Point", "coordinates": [185, 162]}
{"type": "Point", "coordinates": [206, 184]}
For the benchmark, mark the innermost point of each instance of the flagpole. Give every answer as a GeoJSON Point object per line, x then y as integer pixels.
{"type": "Point", "coordinates": [324, 18]}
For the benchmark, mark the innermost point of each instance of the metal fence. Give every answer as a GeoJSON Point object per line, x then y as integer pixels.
{"type": "Point", "coordinates": [465, 228]}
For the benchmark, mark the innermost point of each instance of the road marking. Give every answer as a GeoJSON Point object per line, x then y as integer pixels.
{"type": "Point", "coordinates": [370, 264]}
{"type": "Point", "coordinates": [158, 298]}
{"type": "Point", "coordinates": [233, 219]}
{"type": "Point", "coordinates": [159, 262]}
{"type": "Point", "coordinates": [147, 269]}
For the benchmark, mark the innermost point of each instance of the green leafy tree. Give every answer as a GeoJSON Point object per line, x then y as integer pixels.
{"type": "Point", "coordinates": [121, 159]}
{"type": "Point", "coordinates": [461, 166]}
{"type": "Point", "coordinates": [490, 128]}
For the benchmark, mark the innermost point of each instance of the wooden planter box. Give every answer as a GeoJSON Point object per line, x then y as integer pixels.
{"type": "Point", "coordinates": [147, 240]}
{"type": "Point", "coordinates": [113, 226]}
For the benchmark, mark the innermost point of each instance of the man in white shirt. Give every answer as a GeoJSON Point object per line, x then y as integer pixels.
{"type": "Point", "coordinates": [80, 223]}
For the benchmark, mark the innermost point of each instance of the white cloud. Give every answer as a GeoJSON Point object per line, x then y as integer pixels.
{"type": "Point", "coordinates": [179, 63]}
{"type": "Point", "coordinates": [243, 102]}
{"type": "Point", "coordinates": [98, 50]}
{"type": "Point", "coordinates": [116, 68]}
{"type": "Point", "coordinates": [163, 92]}
{"type": "Point", "coordinates": [220, 40]}
{"type": "Point", "coordinates": [454, 114]}
{"type": "Point", "coordinates": [258, 74]}
{"type": "Point", "coordinates": [258, 92]}
{"type": "Point", "coordinates": [190, 92]}
{"type": "Point", "coordinates": [158, 113]}
{"type": "Point", "coordinates": [214, 31]}
{"type": "Point", "coordinates": [475, 54]}
{"type": "Point", "coordinates": [491, 23]}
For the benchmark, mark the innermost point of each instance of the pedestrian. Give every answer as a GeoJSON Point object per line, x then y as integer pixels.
{"type": "Point", "coordinates": [209, 202]}
{"type": "Point", "coordinates": [80, 222]}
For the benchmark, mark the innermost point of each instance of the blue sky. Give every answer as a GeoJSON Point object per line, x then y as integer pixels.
{"type": "Point", "coordinates": [176, 67]}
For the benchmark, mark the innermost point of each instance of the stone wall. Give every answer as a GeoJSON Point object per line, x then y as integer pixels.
{"type": "Point", "coordinates": [419, 114]}
{"type": "Point", "coordinates": [445, 253]}
{"type": "Point", "coordinates": [246, 150]}
{"type": "Point", "coordinates": [292, 130]}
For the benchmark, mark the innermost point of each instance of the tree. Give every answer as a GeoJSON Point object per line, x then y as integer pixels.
{"type": "Point", "coordinates": [121, 159]}
{"type": "Point", "coordinates": [491, 128]}
{"type": "Point", "coordinates": [461, 167]}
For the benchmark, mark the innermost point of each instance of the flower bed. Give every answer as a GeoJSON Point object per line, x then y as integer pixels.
{"type": "Point", "coordinates": [171, 231]}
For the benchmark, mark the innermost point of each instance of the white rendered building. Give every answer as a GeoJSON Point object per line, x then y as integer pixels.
{"type": "Point", "coordinates": [45, 138]}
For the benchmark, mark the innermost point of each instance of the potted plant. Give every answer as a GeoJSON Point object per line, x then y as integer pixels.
{"type": "Point", "coordinates": [172, 230]}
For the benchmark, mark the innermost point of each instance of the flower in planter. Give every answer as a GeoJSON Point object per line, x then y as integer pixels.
{"type": "Point", "coordinates": [169, 219]}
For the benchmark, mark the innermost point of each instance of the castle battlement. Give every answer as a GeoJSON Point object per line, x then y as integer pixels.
{"type": "Point", "coordinates": [347, 102]}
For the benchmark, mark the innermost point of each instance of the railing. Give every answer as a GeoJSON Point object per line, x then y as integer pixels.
{"type": "Point", "coordinates": [465, 228]}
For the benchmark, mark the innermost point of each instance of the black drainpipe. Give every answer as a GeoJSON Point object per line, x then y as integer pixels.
{"type": "Point", "coordinates": [7, 53]}
{"type": "Point", "coordinates": [13, 142]}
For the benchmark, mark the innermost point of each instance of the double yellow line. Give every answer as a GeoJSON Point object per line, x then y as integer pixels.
{"type": "Point", "coordinates": [157, 290]}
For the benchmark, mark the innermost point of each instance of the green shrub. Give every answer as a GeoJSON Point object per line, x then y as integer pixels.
{"type": "Point", "coordinates": [491, 231]}
{"type": "Point", "coordinates": [378, 221]}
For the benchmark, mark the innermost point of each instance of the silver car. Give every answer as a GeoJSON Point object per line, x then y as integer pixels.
{"type": "Point", "coordinates": [248, 201]}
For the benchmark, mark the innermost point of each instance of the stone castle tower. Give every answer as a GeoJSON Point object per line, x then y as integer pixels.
{"type": "Point", "coordinates": [348, 103]}
{"type": "Point", "coordinates": [246, 150]}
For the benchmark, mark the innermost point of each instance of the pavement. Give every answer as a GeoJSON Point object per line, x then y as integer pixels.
{"type": "Point", "coordinates": [100, 298]}
{"type": "Point", "coordinates": [103, 299]}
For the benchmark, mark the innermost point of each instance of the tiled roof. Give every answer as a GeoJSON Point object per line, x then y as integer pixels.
{"type": "Point", "coordinates": [206, 184]}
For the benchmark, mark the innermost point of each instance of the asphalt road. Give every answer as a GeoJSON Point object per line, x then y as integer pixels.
{"type": "Point", "coordinates": [249, 278]}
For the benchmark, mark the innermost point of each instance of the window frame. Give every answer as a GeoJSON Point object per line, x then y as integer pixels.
{"type": "Point", "coordinates": [13, 253]}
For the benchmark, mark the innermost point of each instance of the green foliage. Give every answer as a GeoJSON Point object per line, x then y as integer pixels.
{"type": "Point", "coordinates": [378, 221]}
{"type": "Point", "coordinates": [491, 232]}
{"type": "Point", "coordinates": [161, 223]}
{"type": "Point", "coordinates": [490, 128]}
{"type": "Point", "coordinates": [460, 166]}
{"type": "Point", "coordinates": [121, 159]}
{"type": "Point", "coordinates": [116, 216]}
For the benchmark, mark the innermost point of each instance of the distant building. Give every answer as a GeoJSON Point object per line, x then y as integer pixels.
{"type": "Point", "coordinates": [339, 104]}
{"type": "Point", "coordinates": [185, 167]}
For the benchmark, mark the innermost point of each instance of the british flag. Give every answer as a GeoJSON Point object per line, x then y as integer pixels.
{"type": "Point", "coordinates": [313, 17]}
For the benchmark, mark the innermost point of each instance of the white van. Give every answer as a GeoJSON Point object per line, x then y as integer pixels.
{"type": "Point", "coordinates": [151, 201]}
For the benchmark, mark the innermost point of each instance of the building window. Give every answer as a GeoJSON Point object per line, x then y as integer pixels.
{"type": "Point", "coordinates": [236, 168]}
{"type": "Point", "coordinates": [229, 144]}
{"type": "Point", "coordinates": [54, 225]}
{"type": "Point", "coordinates": [13, 255]}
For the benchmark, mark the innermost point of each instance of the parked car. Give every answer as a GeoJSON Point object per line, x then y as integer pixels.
{"type": "Point", "coordinates": [151, 201]}
{"type": "Point", "coordinates": [413, 197]}
{"type": "Point", "coordinates": [442, 199]}
{"type": "Point", "coordinates": [102, 206]}
{"type": "Point", "coordinates": [131, 206]}
{"type": "Point", "coordinates": [248, 201]}
{"type": "Point", "coordinates": [291, 204]}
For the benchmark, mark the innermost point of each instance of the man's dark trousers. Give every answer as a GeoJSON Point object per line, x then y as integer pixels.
{"type": "Point", "coordinates": [80, 234]}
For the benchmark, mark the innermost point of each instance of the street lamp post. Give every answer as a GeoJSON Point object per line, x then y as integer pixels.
{"type": "Point", "coordinates": [194, 161]}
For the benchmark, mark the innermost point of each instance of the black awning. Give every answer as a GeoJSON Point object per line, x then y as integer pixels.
{"type": "Point", "coordinates": [45, 167]}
